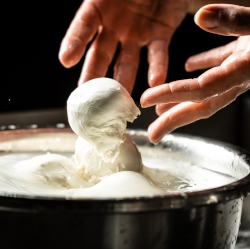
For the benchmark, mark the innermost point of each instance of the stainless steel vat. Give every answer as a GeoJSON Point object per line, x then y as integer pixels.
{"type": "Point", "coordinates": [202, 219]}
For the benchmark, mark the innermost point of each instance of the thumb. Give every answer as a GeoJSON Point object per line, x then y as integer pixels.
{"type": "Point", "coordinates": [224, 19]}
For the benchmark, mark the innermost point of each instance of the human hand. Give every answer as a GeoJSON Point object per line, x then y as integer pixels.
{"type": "Point", "coordinates": [134, 23]}
{"type": "Point", "coordinates": [185, 101]}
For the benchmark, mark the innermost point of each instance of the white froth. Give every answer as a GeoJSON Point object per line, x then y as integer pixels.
{"type": "Point", "coordinates": [21, 174]}
{"type": "Point", "coordinates": [52, 170]}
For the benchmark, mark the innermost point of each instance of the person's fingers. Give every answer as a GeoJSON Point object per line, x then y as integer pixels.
{"type": "Point", "coordinates": [126, 66]}
{"type": "Point", "coordinates": [99, 56]}
{"type": "Point", "coordinates": [211, 58]}
{"type": "Point", "coordinates": [189, 112]}
{"type": "Point", "coordinates": [80, 32]}
{"type": "Point", "coordinates": [234, 71]}
{"type": "Point", "coordinates": [161, 108]}
{"type": "Point", "coordinates": [224, 19]}
{"type": "Point", "coordinates": [242, 42]}
{"type": "Point", "coordinates": [158, 62]}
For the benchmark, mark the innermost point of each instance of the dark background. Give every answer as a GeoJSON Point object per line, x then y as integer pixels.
{"type": "Point", "coordinates": [33, 79]}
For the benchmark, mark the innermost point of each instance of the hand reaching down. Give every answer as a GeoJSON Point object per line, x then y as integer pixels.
{"type": "Point", "coordinates": [133, 23]}
{"type": "Point", "coordinates": [185, 101]}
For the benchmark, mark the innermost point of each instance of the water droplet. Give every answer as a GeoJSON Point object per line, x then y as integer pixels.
{"type": "Point", "coordinates": [60, 125]}
{"type": "Point", "coordinates": [33, 126]}
{"type": "Point", "coordinates": [11, 127]}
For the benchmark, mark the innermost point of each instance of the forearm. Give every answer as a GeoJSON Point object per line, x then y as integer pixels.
{"type": "Point", "coordinates": [197, 4]}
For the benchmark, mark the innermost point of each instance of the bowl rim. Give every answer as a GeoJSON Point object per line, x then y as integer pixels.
{"type": "Point", "coordinates": [24, 203]}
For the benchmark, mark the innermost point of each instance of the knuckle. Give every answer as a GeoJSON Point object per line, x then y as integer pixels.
{"type": "Point", "coordinates": [231, 21]}
{"type": "Point", "coordinates": [76, 40]}
{"type": "Point", "coordinates": [123, 66]}
{"type": "Point", "coordinates": [169, 89]}
{"type": "Point", "coordinates": [86, 26]}
{"type": "Point", "coordinates": [234, 19]}
{"type": "Point", "coordinates": [103, 54]}
{"type": "Point", "coordinates": [127, 60]}
{"type": "Point", "coordinates": [79, 33]}
{"type": "Point", "coordinates": [246, 55]}
{"type": "Point", "coordinates": [207, 110]}
{"type": "Point", "coordinates": [158, 65]}
{"type": "Point", "coordinates": [201, 93]}
{"type": "Point", "coordinates": [201, 96]}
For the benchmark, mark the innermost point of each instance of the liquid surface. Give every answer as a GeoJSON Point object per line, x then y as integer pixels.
{"type": "Point", "coordinates": [160, 175]}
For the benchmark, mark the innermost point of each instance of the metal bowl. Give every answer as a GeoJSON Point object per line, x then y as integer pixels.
{"type": "Point", "coordinates": [200, 219]}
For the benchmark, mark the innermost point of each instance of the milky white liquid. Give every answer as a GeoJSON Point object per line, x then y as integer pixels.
{"type": "Point", "coordinates": [161, 174]}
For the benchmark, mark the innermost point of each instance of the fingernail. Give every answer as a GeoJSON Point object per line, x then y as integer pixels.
{"type": "Point", "coordinates": [151, 129]}
{"type": "Point", "coordinates": [207, 19]}
{"type": "Point", "coordinates": [144, 105]}
{"type": "Point", "coordinates": [157, 141]}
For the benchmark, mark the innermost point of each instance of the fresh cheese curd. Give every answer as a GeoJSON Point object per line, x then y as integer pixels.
{"type": "Point", "coordinates": [94, 169]}
{"type": "Point", "coordinates": [98, 112]}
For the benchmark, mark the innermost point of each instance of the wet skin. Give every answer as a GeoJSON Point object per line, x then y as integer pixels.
{"type": "Point", "coordinates": [185, 101]}
{"type": "Point", "coordinates": [133, 23]}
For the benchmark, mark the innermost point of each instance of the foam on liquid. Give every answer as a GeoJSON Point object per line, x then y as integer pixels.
{"type": "Point", "coordinates": [161, 174]}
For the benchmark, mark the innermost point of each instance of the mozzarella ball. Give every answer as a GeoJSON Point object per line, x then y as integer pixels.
{"type": "Point", "coordinates": [98, 111]}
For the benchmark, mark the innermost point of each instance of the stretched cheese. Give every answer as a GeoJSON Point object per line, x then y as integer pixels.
{"type": "Point", "coordinates": [98, 112]}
